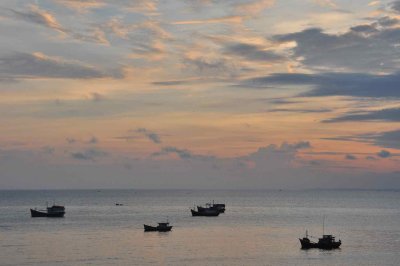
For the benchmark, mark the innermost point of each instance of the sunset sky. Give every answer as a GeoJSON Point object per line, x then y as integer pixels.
{"type": "Point", "coordinates": [234, 94]}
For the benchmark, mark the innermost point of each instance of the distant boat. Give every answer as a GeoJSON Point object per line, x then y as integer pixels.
{"type": "Point", "coordinates": [53, 211]}
{"type": "Point", "coordinates": [212, 206]}
{"type": "Point", "coordinates": [162, 227]}
{"type": "Point", "coordinates": [119, 204]}
{"type": "Point", "coordinates": [326, 242]}
{"type": "Point", "coordinates": [204, 212]}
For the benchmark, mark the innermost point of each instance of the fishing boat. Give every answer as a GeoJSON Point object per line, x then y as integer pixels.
{"type": "Point", "coordinates": [52, 212]}
{"type": "Point", "coordinates": [325, 242]}
{"type": "Point", "coordinates": [213, 206]}
{"type": "Point", "coordinates": [205, 212]}
{"type": "Point", "coordinates": [162, 227]}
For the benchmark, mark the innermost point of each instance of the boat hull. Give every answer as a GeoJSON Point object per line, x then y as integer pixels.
{"type": "Point", "coordinates": [36, 213]}
{"type": "Point", "coordinates": [307, 244]}
{"type": "Point", "coordinates": [202, 209]}
{"type": "Point", "coordinates": [207, 213]}
{"type": "Point", "coordinates": [149, 228]}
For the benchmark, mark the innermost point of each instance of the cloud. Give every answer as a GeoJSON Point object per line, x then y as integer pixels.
{"type": "Point", "coordinates": [387, 139]}
{"type": "Point", "coordinates": [48, 150]}
{"type": "Point", "coordinates": [82, 6]}
{"type": "Point", "coordinates": [210, 66]}
{"type": "Point", "coordinates": [326, 3]}
{"type": "Point", "coordinates": [24, 65]}
{"type": "Point", "coordinates": [70, 140]}
{"type": "Point", "coordinates": [350, 157]}
{"type": "Point", "coordinates": [96, 97]}
{"type": "Point", "coordinates": [387, 21]}
{"type": "Point", "coordinates": [335, 84]}
{"type": "Point", "coordinates": [253, 8]}
{"type": "Point", "coordinates": [321, 110]}
{"type": "Point", "coordinates": [295, 146]}
{"type": "Point", "coordinates": [181, 153]}
{"type": "Point", "coordinates": [150, 135]}
{"type": "Point", "coordinates": [37, 16]}
{"type": "Point", "coordinates": [170, 82]}
{"type": "Point", "coordinates": [252, 52]}
{"type": "Point", "coordinates": [93, 140]}
{"type": "Point", "coordinates": [384, 154]}
{"type": "Point", "coordinates": [387, 115]}
{"type": "Point", "coordinates": [224, 20]}
{"type": "Point", "coordinates": [89, 154]}
{"type": "Point", "coordinates": [363, 48]}
{"type": "Point", "coordinates": [395, 5]}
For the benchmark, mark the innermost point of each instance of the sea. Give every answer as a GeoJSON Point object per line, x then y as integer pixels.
{"type": "Point", "coordinates": [259, 227]}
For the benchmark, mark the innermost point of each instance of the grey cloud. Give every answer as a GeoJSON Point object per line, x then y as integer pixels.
{"type": "Point", "coordinates": [333, 84]}
{"type": "Point", "coordinates": [395, 5]}
{"type": "Point", "coordinates": [384, 154]}
{"type": "Point", "coordinates": [392, 114]}
{"type": "Point", "coordinates": [96, 97]}
{"type": "Point", "coordinates": [296, 146]}
{"type": "Point", "coordinates": [70, 140]}
{"type": "Point", "coordinates": [150, 135]}
{"type": "Point", "coordinates": [48, 150]}
{"type": "Point", "coordinates": [387, 21]}
{"type": "Point", "coordinates": [169, 83]}
{"type": "Point", "coordinates": [321, 110]}
{"type": "Point", "coordinates": [24, 65]}
{"type": "Point", "coordinates": [350, 157]}
{"type": "Point", "coordinates": [252, 52]}
{"type": "Point", "coordinates": [37, 16]}
{"type": "Point", "coordinates": [285, 147]}
{"type": "Point", "coordinates": [388, 139]}
{"type": "Point", "coordinates": [88, 155]}
{"type": "Point", "coordinates": [93, 140]}
{"type": "Point", "coordinates": [44, 18]}
{"type": "Point", "coordinates": [210, 67]}
{"type": "Point", "coordinates": [182, 153]}
{"type": "Point", "coordinates": [361, 48]}
{"type": "Point", "coordinates": [367, 29]}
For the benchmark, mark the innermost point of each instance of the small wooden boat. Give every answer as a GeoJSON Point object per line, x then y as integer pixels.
{"type": "Point", "coordinates": [52, 212]}
{"type": "Point", "coordinates": [162, 227]}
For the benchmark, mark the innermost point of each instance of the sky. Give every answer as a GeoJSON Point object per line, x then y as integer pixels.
{"type": "Point", "coordinates": [175, 94]}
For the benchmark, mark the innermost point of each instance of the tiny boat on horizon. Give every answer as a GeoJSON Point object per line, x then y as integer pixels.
{"type": "Point", "coordinates": [54, 211]}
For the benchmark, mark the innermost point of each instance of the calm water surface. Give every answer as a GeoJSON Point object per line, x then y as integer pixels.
{"type": "Point", "coordinates": [258, 228]}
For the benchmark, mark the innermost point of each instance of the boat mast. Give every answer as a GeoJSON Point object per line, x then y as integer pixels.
{"type": "Point", "coordinates": [323, 226]}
